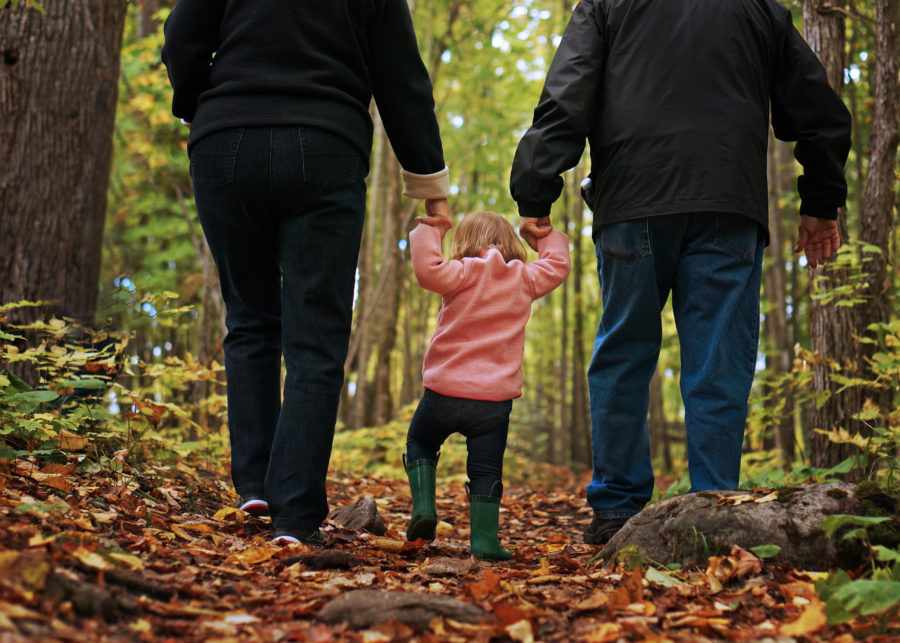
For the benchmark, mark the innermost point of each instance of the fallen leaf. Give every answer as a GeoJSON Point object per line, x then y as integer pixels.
{"type": "Point", "coordinates": [811, 620]}
{"type": "Point", "coordinates": [90, 558]}
{"type": "Point", "coordinates": [446, 566]}
{"type": "Point", "coordinates": [229, 514]}
{"type": "Point", "coordinates": [521, 631]}
{"type": "Point", "coordinates": [592, 602]}
{"type": "Point", "coordinates": [69, 441]}
{"type": "Point", "coordinates": [483, 589]}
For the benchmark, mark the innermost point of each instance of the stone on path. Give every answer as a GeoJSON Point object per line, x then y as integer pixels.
{"type": "Point", "coordinates": [365, 607]}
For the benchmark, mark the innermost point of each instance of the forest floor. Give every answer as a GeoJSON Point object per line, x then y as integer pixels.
{"type": "Point", "coordinates": [157, 553]}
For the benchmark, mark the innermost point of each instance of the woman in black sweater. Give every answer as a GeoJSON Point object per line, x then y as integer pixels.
{"type": "Point", "coordinates": [277, 95]}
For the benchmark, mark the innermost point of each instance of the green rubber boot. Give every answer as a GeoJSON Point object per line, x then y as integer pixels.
{"type": "Point", "coordinates": [484, 521]}
{"type": "Point", "coordinates": [421, 475]}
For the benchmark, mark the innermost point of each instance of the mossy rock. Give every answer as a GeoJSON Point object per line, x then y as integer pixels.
{"type": "Point", "coordinates": [688, 529]}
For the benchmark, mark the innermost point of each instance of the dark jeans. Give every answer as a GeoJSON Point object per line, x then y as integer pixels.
{"type": "Point", "coordinates": [485, 425]}
{"type": "Point", "coordinates": [711, 263]}
{"type": "Point", "coordinates": [282, 210]}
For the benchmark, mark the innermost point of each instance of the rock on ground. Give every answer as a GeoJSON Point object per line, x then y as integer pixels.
{"type": "Point", "coordinates": [362, 515]}
{"type": "Point", "coordinates": [689, 529]}
{"type": "Point", "coordinates": [365, 607]}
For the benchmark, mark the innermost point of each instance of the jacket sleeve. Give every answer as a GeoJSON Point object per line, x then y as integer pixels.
{"type": "Point", "coordinates": [432, 270]}
{"type": "Point", "coordinates": [552, 266]}
{"type": "Point", "coordinates": [191, 38]}
{"type": "Point", "coordinates": [403, 92]}
{"type": "Point", "coordinates": [563, 116]}
{"type": "Point", "coordinates": [807, 110]}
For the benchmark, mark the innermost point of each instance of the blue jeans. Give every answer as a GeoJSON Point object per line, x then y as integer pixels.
{"type": "Point", "coordinates": [485, 425]}
{"type": "Point", "coordinates": [282, 210]}
{"type": "Point", "coordinates": [712, 264]}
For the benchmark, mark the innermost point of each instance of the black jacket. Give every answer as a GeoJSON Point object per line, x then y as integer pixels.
{"type": "Point", "coordinates": [674, 97]}
{"type": "Point", "coordinates": [244, 63]}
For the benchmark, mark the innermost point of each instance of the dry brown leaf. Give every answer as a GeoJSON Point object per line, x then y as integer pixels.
{"type": "Point", "coordinates": [604, 632]}
{"type": "Point", "coordinates": [592, 602]}
{"type": "Point", "coordinates": [521, 631]}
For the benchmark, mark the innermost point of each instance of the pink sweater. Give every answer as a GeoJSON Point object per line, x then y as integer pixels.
{"type": "Point", "coordinates": [476, 351]}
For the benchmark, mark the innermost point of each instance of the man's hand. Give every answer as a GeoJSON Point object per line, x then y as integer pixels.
{"type": "Point", "coordinates": [818, 238]}
{"type": "Point", "coordinates": [532, 229]}
{"type": "Point", "coordinates": [437, 213]}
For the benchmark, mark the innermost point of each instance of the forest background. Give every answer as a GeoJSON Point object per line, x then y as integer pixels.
{"type": "Point", "coordinates": [126, 255]}
{"type": "Point", "coordinates": [111, 321]}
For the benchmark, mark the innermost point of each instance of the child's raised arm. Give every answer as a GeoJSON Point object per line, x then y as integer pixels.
{"type": "Point", "coordinates": [552, 266]}
{"type": "Point", "coordinates": [432, 270]}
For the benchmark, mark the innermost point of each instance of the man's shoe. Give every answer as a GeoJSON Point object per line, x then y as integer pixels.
{"type": "Point", "coordinates": [253, 505]}
{"type": "Point", "coordinates": [602, 529]}
{"type": "Point", "coordinates": [285, 537]}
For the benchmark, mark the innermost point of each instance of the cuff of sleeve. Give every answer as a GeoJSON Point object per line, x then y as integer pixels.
{"type": "Point", "coordinates": [531, 209]}
{"type": "Point", "coordinates": [426, 186]}
{"type": "Point", "coordinates": [819, 210]}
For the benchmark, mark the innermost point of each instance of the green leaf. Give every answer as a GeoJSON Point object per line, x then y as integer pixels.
{"type": "Point", "coordinates": [9, 337]}
{"type": "Point", "coordinates": [766, 551]}
{"type": "Point", "coordinates": [868, 596]}
{"type": "Point", "coordinates": [28, 401]}
{"type": "Point", "coordinates": [832, 523]}
{"type": "Point", "coordinates": [89, 384]}
{"type": "Point", "coordinates": [16, 384]}
{"type": "Point", "coordinates": [886, 555]}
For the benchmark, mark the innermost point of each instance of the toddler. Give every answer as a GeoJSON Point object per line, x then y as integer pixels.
{"type": "Point", "coordinates": [473, 365]}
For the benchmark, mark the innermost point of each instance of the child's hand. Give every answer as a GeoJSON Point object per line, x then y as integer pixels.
{"type": "Point", "coordinates": [532, 229]}
{"type": "Point", "coordinates": [437, 213]}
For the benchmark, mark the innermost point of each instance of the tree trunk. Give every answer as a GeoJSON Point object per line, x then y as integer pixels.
{"type": "Point", "coordinates": [779, 359]}
{"type": "Point", "coordinates": [394, 222]}
{"type": "Point", "coordinates": [831, 327]}
{"type": "Point", "coordinates": [59, 77]}
{"type": "Point", "coordinates": [580, 439]}
{"type": "Point", "coordinates": [659, 426]}
{"type": "Point", "coordinates": [875, 223]}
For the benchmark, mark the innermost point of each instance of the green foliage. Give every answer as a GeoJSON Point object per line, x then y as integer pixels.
{"type": "Point", "coordinates": [766, 551]}
{"type": "Point", "coordinates": [89, 399]}
{"type": "Point", "coordinates": [846, 598]}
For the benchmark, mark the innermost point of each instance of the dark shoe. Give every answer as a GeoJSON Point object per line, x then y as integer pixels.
{"type": "Point", "coordinates": [423, 520]}
{"type": "Point", "coordinates": [285, 537]}
{"type": "Point", "coordinates": [602, 529]}
{"type": "Point", "coordinates": [253, 505]}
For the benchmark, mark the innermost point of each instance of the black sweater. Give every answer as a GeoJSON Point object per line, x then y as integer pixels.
{"type": "Point", "coordinates": [674, 97]}
{"type": "Point", "coordinates": [245, 63]}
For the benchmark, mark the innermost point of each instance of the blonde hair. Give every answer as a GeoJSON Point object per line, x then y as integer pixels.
{"type": "Point", "coordinates": [480, 230]}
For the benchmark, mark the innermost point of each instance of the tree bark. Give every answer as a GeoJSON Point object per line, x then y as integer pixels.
{"type": "Point", "coordinates": [831, 327]}
{"type": "Point", "coordinates": [876, 217]}
{"type": "Point", "coordinates": [59, 77]}
{"type": "Point", "coordinates": [779, 358]}
{"type": "Point", "coordinates": [580, 438]}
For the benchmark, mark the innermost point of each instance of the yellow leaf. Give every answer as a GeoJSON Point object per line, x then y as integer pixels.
{"type": "Point", "coordinates": [811, 620]}
{"type": "Point", "coordinates": [129, 560]}
{"type": "Point", "coordinates": [252, 556]}
{"type": "Point", "coordinates": [544, 569]}
{"type": "Point", "coordinates": [90, 558]}
{"type": "Point", "coordinates": [604, 632]}
{"type": "Point", "coordinates": [229, 514]}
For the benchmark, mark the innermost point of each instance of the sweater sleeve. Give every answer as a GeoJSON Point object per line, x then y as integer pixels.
{"type": "Point", "coordinates": [552, 266]}
{"type": "Point", "coordinates": [806, 109]}
{"type": "Point", "coordinates": [432, 270]}
{"type": "Point", "coordinates": [191, 38]}
{"type": "Point", "coordinates": [403, 91]}
{"type": "Point", "coordinates": [562, 118]}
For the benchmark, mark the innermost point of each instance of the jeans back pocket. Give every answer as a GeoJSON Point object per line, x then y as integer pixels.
{"type": "Point", "coordinates": [627, 241]}
{"type": "Point", "coordinates": [213, 158]}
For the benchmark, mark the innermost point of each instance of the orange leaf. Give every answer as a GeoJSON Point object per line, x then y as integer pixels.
{"type": "Point", "coordinates": [490, 585]}
{"type": "Point", "coordinates": [592, 602]}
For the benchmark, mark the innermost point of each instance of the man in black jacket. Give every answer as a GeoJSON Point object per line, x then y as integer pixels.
{"type": "Point", "coordinates": [675, 98]}
{"type": "Point", "coordinates": [277, 93]}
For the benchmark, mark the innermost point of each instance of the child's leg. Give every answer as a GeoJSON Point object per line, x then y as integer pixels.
{"type": "Point", "coordinates": [486, 444]}
{"type": "Point", "coordinates": [426, 431]}
{"type": "Point", "coordinates": [484, 464]}
{"type": "Point", "coordinates": [423, 441]}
